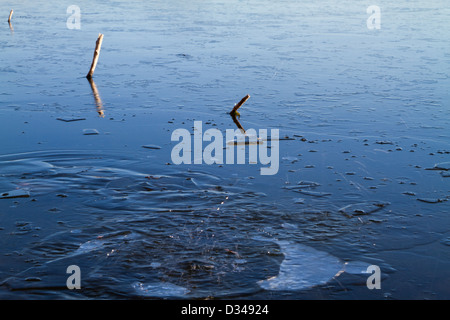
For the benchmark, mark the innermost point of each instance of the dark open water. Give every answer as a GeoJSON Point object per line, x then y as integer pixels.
{"type": "Point", "coordinates": [365, 112]}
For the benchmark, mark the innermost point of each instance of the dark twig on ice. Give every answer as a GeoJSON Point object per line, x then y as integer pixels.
{"type": "Point", "coordinates": [98, 45]}
{"type": "Point", "coordinates": [239, 104]}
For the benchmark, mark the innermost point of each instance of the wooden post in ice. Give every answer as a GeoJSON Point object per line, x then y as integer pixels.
{"type": "Point", "coordinates": [10, 15]}
{"type": "Point", "coordinates": [96, 55]}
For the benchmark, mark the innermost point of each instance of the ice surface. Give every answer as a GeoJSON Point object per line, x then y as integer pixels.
{"type": "Point", "coordinates": [303, 267]}
{"type": "Point", "coordinates": [159, 289]}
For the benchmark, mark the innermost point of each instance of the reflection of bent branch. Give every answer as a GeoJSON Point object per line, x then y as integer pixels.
{"type": "Point", "coordinates": [236, 122]}
{"type": "Point", "coordinates": [253, 139]}
{"type": "Point", "coordinates": [98, 100]}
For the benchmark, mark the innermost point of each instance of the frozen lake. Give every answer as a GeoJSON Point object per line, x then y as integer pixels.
{"type": "Point", "coordinates": [87, 178]}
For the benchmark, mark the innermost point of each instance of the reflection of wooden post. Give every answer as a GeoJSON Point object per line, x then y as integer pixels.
{"type": "Point", "coordinates": [10, 15]}
{"type": "Point", "coordinates": [98, 45]}
{"type": "Point", "coordinates": [239, 104]}
{"type": "Point", "coordinates": [98, 100]}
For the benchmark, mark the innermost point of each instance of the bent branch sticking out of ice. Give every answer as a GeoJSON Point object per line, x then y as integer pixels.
{"type": "Point", "coordinates": [303, 267]}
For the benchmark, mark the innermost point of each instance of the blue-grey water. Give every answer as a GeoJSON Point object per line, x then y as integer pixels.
{"type": "Point", "coordinates": [87, 179]}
